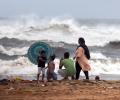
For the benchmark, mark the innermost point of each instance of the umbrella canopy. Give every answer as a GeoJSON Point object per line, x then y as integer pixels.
{"type": "Point", "coordinates": [34, 50]}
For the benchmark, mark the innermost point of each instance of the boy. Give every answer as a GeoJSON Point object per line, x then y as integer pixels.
{"type": "Point", "coordinates": [69, 67]}
{"type": "Point", "coordinates": [51, 68]}
{"type": "Point", "coordinates": [41, 64]}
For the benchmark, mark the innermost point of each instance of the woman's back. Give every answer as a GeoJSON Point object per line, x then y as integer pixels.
{"type": "Point", "coordinates": [82, 60]}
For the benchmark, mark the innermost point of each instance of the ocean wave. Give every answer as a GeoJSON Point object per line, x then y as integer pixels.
{"type": "Point", "coordinates": [57, 29]}
{"type": "Point", "coordinates": [8, 57]}
{"type": "Point", "coordinates": [15, 47]}
{"type": "Point", "coordinates": [13, 42]}
{"type": "Point", "coordinates": [22, 66]}
{"type": "Point", "coordinates": [114, 44]}
{"type": "Point", "coordinates": [13, 51]}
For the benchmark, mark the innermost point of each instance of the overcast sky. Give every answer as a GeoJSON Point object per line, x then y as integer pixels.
{"type": "Point", "coordinates": [51, 8]}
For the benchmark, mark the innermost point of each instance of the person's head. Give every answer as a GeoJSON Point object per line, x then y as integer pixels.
{"type": "Point", "coordinates": [81, 40]}
{"type": "Point", "coordinates": [52, 58]}
{"type": "Point", "coordinates": [42, 52]}
{"type": "Point", "coordinates": [66, 55]}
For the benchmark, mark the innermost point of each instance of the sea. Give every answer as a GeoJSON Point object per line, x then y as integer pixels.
{"type": "Point", "coordinates": [17, 34]}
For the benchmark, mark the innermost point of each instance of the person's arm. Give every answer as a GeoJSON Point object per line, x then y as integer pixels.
{"type": "Point", "coordinates": [88, 53]}
{"type": "Point", "coordinates": [74, 57]}
{"type": "Point", "coordinates": [42, 59]}
{"type": "Point", "coordinates": [45, 59]}
{"type": "Point", "coordinates": [79, 52]}
{"type": "Point", "coordinates": [61, 63]}
{"type": "Point", "coordinates": [75, 53]}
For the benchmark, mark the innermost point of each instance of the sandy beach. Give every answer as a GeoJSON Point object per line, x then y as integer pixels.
{"type": "Point", "coordinates": [60, 90]}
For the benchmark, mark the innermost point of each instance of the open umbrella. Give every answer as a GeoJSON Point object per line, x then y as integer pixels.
{"type": "Point", "coordinates": [34, 50]}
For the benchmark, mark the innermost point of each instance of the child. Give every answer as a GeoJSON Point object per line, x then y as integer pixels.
{"type": "Point", "coordinates": [69, 67]}
{"type": "Point", "coordinates": [51, 68]}
{"type": "Point", "coordinates": [41, 64]}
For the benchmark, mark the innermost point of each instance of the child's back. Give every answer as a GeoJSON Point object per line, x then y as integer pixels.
{"type": "Point", "coordinates": [51, 68]}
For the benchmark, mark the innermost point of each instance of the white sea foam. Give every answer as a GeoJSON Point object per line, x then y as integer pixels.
{"type": "Point", "coordinates": [23, 67]}
{"type": "Point", "coordinates": [13, 51]}
{"type": "Point", "coordinates": [57, 29]}
{"type": "Point", "coordinates": [98, 56]}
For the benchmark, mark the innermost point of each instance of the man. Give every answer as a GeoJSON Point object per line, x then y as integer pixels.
{"type": "Point", "coordinates": [69, 67]}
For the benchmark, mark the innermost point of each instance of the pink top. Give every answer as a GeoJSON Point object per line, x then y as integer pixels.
{"type": "Point", "coordinates": [82, 60]}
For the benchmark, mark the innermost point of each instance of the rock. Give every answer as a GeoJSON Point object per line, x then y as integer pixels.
{"type": "Point", "coordinates": [4, 82]}
{"type": "Point", "coordinates": [97, 78]}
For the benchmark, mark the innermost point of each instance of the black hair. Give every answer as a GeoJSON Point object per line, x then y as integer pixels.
{"type": "Point", "coordinates": [81, 40]}
{"type": "Point", "coordinates": [42, 52]}
{"type": "Point", "coordinates": [52, 57]}
{"type": "Point", "coordinates": [66, 55]}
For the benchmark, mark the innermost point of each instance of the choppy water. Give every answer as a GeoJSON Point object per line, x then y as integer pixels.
{"type": "Point", "coordinates": [17, 34]}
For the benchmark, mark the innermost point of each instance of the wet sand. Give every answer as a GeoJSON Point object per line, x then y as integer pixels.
{"type": "Point", "coordinates": [61, 90]}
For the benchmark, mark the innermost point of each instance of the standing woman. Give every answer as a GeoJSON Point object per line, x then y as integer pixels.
{"type": "Point", "coordinates": [82, 56]}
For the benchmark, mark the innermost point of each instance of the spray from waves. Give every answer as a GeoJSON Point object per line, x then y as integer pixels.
{"type": "Point", "coordinates": [105, 67]}
{"type": "Point", "coordinates": [19, 67]}
{"type": "Point", "coordinates": [114, 44]}
{"type": "Point", "coordinates": [13, 51]}
{"type": "Point", "coordinates": [13, 48]}
{"type": "Point", "coordinates": [24, 68]}
{"type": "Point", "coordinates": [57, 29]}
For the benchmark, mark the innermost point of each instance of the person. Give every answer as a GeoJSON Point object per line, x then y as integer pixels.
{"type": "Point", "coordinates": [69, 67]}
{"type": "Point", "coordinates": [51, 67]}
{"type": "Point", "coordinates": [82, 55]}
{"type": "Point", "coordinates": [41, 64]}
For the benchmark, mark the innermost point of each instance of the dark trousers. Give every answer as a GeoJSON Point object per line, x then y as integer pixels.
{"type": "Point", "coordinates": [78, 70]}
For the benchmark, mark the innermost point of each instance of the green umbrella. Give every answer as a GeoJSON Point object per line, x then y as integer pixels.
{"type": "Point", "coordinates": [34, 50]}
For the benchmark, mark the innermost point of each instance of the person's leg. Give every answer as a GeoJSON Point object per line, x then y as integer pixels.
{"type": "Point", "coordinates": [54, 76]}
{"type": "Point", "coordinates": [66, 78]}
{"type": "Point", "coordinates": [39, 71]}
{"type": "Point", "coordinates": [38, 78]}
{"type": "Point", "coordinates": [78, 69]}
{"type": "Point", "coordinates": [86, 74]}
{"type": "Point", "coordinates": [62, 73]}
{"type": "Point", "coordinates": [44, 77]}
{"type": "Point", "coordinates": [72, 77]}
{"type": "Point", "coordinates": [48, 75]}
{"type": "Point", "coordinates": [43, 73]}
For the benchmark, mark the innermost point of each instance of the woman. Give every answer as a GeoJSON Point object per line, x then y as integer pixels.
{"type": "Point", "coordinates": [82, 55]}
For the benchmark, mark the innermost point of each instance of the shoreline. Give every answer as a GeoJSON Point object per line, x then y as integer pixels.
{"type": "Point", "coordinates": [33, 77]}
{"type": "Point", "coordinates": [61, 90]}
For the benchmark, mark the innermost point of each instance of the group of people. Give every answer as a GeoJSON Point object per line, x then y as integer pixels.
{"type": "Point", "coordinates": [72, 70]}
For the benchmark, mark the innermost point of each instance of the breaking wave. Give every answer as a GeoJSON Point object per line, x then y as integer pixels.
{"type": "Point", "coordinates": [57, 29]}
